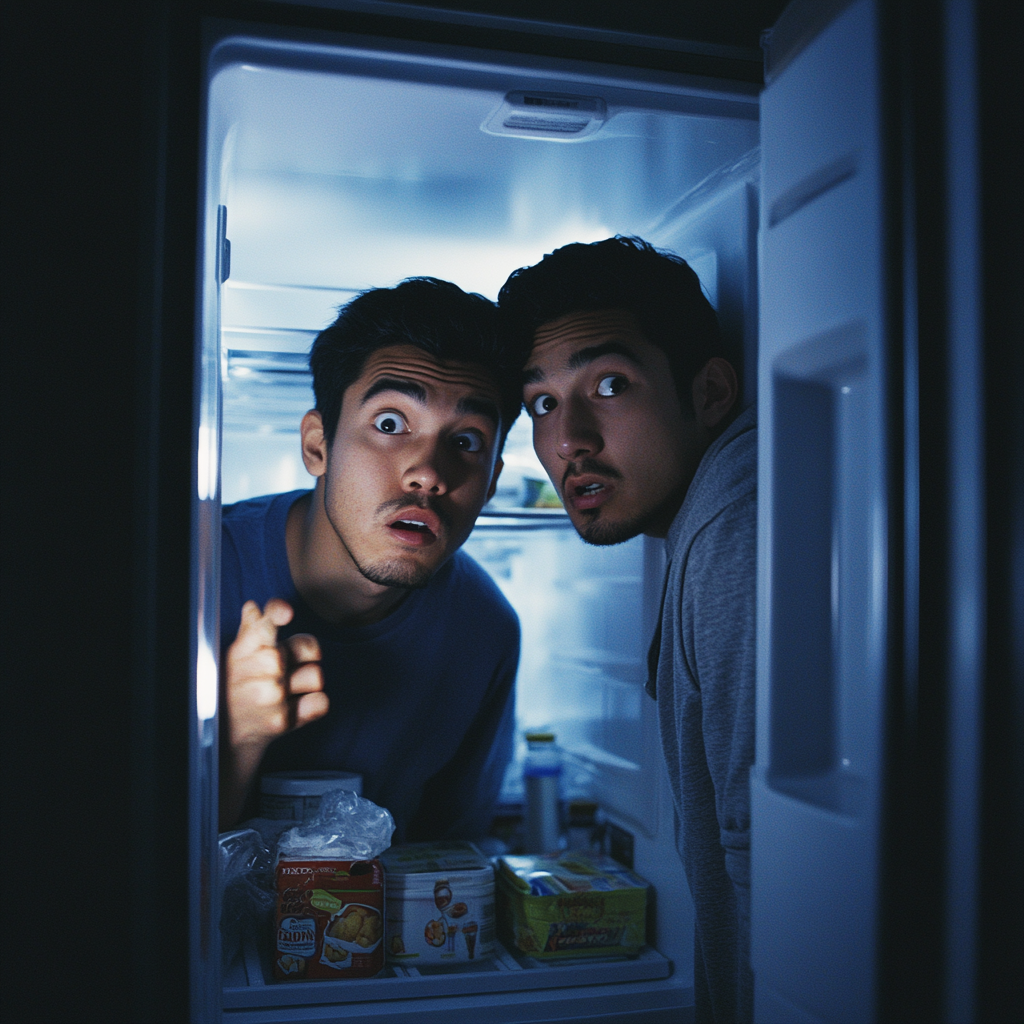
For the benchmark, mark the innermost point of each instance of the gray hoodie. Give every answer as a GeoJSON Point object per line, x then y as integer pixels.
{"type": "Point", "coordinates": [705, 695]}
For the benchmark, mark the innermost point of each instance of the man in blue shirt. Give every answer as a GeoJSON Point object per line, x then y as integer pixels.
{"type": "Point", "coordinates": [357, 635]}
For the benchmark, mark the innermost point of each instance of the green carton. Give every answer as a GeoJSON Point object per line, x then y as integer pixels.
{"type": "Point", "coordinates": [577, 904]}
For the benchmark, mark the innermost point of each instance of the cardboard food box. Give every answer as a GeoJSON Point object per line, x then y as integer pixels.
{"type": "Point", "coordinates": [330, 919]}
{"type": "Point", "coordinates": [577, 904]}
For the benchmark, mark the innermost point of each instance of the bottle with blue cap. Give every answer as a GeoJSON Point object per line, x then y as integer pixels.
{"type": "Point", "coordinates": [542, 773]}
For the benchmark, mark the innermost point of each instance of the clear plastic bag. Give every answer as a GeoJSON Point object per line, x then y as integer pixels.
{"type": "Point", "coordinates": [247, 888]}
{"type": "Point", "coordinates": [347, 827]}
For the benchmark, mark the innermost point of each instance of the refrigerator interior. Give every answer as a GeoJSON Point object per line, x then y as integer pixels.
{"type": "Point", "coordinates": [336, 168]}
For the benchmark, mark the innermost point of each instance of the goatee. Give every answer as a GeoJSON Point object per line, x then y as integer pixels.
{"type": "Point", "coordinates": [397, 574]}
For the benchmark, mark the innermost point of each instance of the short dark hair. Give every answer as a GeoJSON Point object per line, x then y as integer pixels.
{"type": "Point", "coordinates": [436, 316]}
{"type": "Point", "coordinates": [659, 288]}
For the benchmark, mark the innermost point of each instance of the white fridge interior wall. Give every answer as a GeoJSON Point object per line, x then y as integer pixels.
{"type": "Point", "coordinates": [338, 182]}
{"type": "Point", "coordinates": [345, 169]}
{"type": "Point", "coordinates": [335, 182]}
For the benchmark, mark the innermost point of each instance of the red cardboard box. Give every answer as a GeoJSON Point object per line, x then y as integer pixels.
{"type": "Point", "coordinates": [330, 919]}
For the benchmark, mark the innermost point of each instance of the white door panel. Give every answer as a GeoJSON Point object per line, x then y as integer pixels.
{"type": "Point", "coordinates": [821, 603]}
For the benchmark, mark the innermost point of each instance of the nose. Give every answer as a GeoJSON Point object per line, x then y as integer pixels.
{"type": "Point", "coordinates": [426, 473]}
{"type": "Point", "coordinates": [578, 432]}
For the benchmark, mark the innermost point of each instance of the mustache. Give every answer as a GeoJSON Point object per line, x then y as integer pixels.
{"type": "Point", "coordinates": [394, 504]}
{"type": "Point", "coordinates": [593, 466]}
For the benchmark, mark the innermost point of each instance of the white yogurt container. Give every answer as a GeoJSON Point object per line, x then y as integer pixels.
{"type": "Point", "coordinates": [440, 903]}
{"type": "Point", "coordinates": [295, 796]}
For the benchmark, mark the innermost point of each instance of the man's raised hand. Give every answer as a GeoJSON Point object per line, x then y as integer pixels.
{"type": "Point", "coordinates": [271, 687]}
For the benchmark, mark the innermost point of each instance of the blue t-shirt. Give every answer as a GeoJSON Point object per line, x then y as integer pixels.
{"type": "Point", "coordinates": [421, 702]}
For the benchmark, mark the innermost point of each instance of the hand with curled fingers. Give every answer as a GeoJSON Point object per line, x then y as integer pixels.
{"type": "Point", "coordinates": [270, 688]}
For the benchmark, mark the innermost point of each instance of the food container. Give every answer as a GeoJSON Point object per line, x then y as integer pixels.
{"type": "Point", "coordinates": [440, 903]}
{"type": "Point", "coordinates": [330, 919]}
{"type": "Point", "coordinates": [295, 796]}
{"type": "Point", "coordinates": [576, 904]}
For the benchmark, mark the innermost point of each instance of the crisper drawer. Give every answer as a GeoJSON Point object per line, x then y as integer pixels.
{"type": "Point", "coordinates": [506, 987]}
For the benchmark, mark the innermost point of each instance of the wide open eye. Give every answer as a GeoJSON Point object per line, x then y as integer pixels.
{"type": "Point", "coordinates": [542, 405]}
{"type": "Point", "coordinates": [468, 441]}
{"type": "Point", "coordinates": [609, 387]}
{"type": "Point", "coordinates": [390, 423]}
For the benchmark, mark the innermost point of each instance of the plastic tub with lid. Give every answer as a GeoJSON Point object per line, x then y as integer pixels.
{"type": "Point", "coordinates": [295, 796]}
{"type": "Point", "coordinates": [440, 906]}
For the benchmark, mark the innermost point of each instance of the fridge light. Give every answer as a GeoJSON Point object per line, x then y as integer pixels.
{"type": "Point", "coordinates": [560, 117]}
{"type": "Point", "coordinates": [207, 469]}
{"type": "Point", "coordinates": [206, 682]}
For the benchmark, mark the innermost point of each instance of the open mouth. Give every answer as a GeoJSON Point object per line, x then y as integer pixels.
{"type": "Point", "coordinates": [410, 524]}
{"type": "Point", "coordinates": [415, 528]}
{"type": "Point", "coordinates": [589, 494]}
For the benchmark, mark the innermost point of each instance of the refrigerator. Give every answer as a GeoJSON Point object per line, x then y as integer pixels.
{"type": "Point", "coordinates": [212, 179]}
{"type": "Point", "coordinates": [331, 164]}
{"type": "Point", "coordinates": [336, 166]}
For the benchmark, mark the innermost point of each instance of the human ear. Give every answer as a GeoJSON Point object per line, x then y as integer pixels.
{"type": "Point", "coordinates": [314, 443]}
{"type": "Point", "coordinates": [715, 390]}
{"type": "Point", "coordinates": [498, 466]}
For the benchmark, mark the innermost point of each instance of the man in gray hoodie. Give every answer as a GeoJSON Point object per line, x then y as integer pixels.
{"type": "Point", "coordinates": [635, 419]}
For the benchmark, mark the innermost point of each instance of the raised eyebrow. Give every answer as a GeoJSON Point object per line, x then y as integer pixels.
{"type": "Point", "coordinates": [472, 406]}
{"type": "Point", "coordinates": [532, 375]}
{"type": "Point", "coordinates": [583, 356]}
{"type": "Point", "coordinates": [399, 384]}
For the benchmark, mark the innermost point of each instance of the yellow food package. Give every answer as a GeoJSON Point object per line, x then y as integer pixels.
{"type": "Point", "coordinates": [577, 904]}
